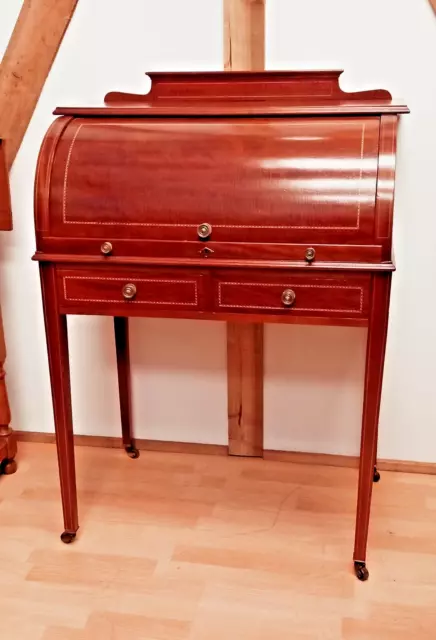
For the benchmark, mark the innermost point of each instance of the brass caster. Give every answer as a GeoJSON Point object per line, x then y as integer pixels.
{"type": "Point", "coordinates": [361, 571]}
{"type": "Point", "coordinates": [132, 451]}
{"type": "Point", "coordinates": [8, 467]}
{"type": "Point", "coordinates": [376, 476]}
{"type": "Point", "coordinates": [67, 537]}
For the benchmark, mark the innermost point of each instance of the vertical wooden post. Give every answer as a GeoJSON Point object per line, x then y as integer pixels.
{"type": "Point", "coordinates": [245, 388]}
{"type": "Point", "coordinates": [244, 35]}
{"type": "Point", "coordinates": [8, 444]}
{"type": "Point", "coordinates": [8, 447]}
{"type": "Point", "coordinates": [244, 49]}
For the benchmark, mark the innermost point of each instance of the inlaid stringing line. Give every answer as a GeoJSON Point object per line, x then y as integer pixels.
{"type": "Point", "coordinates": [187, 226]}
{"type": "Point", "coordinates": [125, 280]}
{"type": "Point", "coordinates": [67, 167]}
{"type": "Point", "coordinates": [297, 286]}
{"type": "Point", "coordinates": [362, 145]}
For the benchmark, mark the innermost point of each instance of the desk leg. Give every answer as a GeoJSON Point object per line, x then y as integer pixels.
{"type": "Point", "coordinates": [121, 326]}
{"type": "Point", "coordinates": [57, 347]}
{"type": "Point", "coordinates": [375, 353]}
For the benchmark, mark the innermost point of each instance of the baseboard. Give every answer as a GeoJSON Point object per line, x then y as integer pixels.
{"type": "Point", "coordinates": [116, 443]}
{"type": "Point", "coordinates": [330, 460]}
{"type": "Point", "coordinates": [325, 459]}
{"type": "Point", "coordinates": [299, 457]}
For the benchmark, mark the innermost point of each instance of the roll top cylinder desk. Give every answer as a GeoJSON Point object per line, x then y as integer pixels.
{"type": "Point", "coordinates": [236, 196]}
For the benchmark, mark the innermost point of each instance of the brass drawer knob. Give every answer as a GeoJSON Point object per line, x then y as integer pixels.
{"type": "Point", "coordinates": [129, 291]}
{"type": "Point", "coordinates": [288, 297]}
{"type": "Point", "coordinates": [204, 230]}
{"type": "Point", "coordinates": [106, 248]}
{"type": "Point", "coordinates": [310, 254]}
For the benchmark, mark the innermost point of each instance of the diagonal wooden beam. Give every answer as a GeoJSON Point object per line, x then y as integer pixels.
{"type": "Point", "coordinates": [244, 49]}
{"type": "Point", "coordinates": [26, 64]}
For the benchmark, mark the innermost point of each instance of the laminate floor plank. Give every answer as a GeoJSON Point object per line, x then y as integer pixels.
{"type": "Point", "coordinates": [196, 547]}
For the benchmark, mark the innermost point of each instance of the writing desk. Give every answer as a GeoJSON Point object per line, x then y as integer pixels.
{"type": "Point", "coordinates": [251, 197]}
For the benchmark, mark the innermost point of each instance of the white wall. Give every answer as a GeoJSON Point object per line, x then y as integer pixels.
{"type": "Point", "coordinates": [314, 376]}
{"type": "Point", "coordinates": [389, 44]}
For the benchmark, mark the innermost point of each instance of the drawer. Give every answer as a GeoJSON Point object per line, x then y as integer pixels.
{"type": "Point", "coordinates": [305, 294]}
{"type": "Point", "coordinates": [117, 289]}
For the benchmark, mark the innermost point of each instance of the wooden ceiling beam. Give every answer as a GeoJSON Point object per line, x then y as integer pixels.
{"type": "Point", "coordinates": [26, 64]}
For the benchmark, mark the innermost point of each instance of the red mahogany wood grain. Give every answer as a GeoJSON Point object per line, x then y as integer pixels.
{"type": "Point", "coordinates": [210, 263]}
{"type": "Point", "coordinates": [57, 349]}
{"type": "Point", "coordinates": [317, 294]}
{"type": "Point", "coordinates": [195, 250]}
{"type": "Point", "coordinates": [270, 165]}
{"type": "Point", "coordinates": [377, 332]}
{"type": "Point", "coordinates": [252, 93]}
{"type": "Point", "coordinates": [252, 181]}
{"type": "Point", "coordinates": [122, 347]}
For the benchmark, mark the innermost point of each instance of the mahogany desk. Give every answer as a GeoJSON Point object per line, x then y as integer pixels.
{"type": "Point", "coordinates": [252, 197]}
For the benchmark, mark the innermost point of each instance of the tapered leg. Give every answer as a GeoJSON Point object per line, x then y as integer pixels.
{"type": "Point", "coordinates": [377, 332]}
{"type": "Point", "coordinates": [121, 326]}
{"type": "Point", "coordinates": [57, 347]}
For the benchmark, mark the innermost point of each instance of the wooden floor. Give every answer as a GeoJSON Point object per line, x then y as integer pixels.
{"type": "Point", "coordinates": [179, 546]}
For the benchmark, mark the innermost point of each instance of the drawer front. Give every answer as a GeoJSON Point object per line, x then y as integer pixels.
{"type": "Point", "coordinates": [293, 293]}
{"type": "Point", "coordinates": [124, 287]}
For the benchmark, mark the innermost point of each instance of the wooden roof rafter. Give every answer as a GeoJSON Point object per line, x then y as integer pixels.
{"type": "Point", "coordinates": [32, 48]}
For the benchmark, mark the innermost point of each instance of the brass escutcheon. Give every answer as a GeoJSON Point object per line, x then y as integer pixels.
{"type": "Point", "coordinates": [206, 251]}
{"type": "Point", "coordinates": [129, 291]}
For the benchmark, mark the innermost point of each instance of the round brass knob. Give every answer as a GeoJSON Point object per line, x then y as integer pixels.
{"type": "Point", "coordinates": [204, 230]}
{"type": "Point", "coordinates": [106, 248]}
{"type": "Point", "coordinates": [288, 297]}
{"type": "Point", "coordinates": [129, 291]}
{"type": "Point", "coordinates": [310, 254]}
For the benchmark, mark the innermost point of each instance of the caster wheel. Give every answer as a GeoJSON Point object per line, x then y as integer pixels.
{"type": "Point", "coordinates": [132, 451]}
{"type": "Point", "coordinates": [8, 467]}
{"type": "Point", "coordinates": [361, 571]}
{"type": "Point", "coordinates": [67, 537]}
{"type": "Point", "coordinates": [376, 476]}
